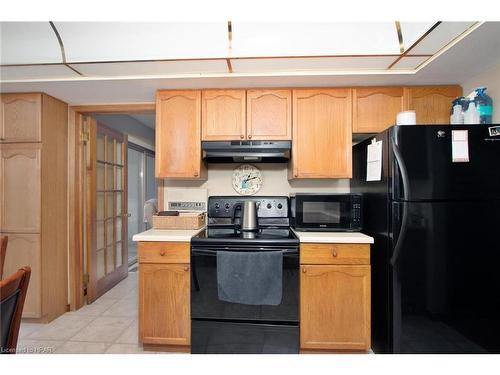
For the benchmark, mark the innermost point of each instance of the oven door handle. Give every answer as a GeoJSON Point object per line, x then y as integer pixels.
{"type": "Point", "coordinates": [213, 252]}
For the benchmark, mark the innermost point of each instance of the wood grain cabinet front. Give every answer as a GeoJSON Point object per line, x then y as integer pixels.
{"type": "Point", "coordinates": [21, 118]}
{"type": "Point", "coordinates": [223, 115]}
{"type": "Point", "coordinates": [322, 134]}
{"type": "Point", "coordinates": [432, 103]}
{"type": "Point", "coordinates": [335, 308]}
{"type": "Point", "coordinates": [375, 109]}
{"type": "Point", "coordinates": [178, 132]}
{"type": "Point", "coordinates": [269, 115]}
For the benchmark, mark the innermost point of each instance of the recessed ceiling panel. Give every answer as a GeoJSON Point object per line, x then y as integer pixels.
{"type": "Point", "coordinates": [34, 72]}
{"type": "Point", "coordinates": [324, 64]}
{"type": "Point", "coordinates": [409, 62]}
{"type": "Point", "coordinates": [153, 68]}
{"type": "Point", "coordinates": [122, 41]}
{"type": "Point", "coordinates": [28, 43]}
{"type": "Point", "coordinates": [440, 37]}
{"type": "Point", "coordinates": [411, 31]}
{"type": "Point", "coordinates": [313, 38]}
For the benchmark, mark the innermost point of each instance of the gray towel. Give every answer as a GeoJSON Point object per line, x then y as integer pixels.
{"type": "Point", "coordinates": [250, 278]}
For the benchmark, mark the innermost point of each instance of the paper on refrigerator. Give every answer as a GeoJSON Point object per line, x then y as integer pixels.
{"type": "Point", "coordinates": [374, 161]}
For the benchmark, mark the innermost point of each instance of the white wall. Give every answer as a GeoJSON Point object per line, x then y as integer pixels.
{"type": "Point", "coordinates": [489, 78]}
{"type": "Point", "coordinates": [275, 181]}
{"type": "Point", "coordinates": [138, 132]}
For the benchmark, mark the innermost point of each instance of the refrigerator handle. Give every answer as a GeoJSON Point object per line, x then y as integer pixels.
{"type": "Point", "coordinates": [406, 196]}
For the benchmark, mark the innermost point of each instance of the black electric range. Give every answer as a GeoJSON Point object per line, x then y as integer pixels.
{"type": "Point", "coordinates": [218, 326]}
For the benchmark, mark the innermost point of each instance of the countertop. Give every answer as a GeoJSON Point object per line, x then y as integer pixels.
{"type": "Point", "coordinates": [167, 235]}
{"type": "Point", "coordinates": [333, 237]}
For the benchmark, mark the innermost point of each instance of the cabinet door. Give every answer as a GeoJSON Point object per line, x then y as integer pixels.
{"type": "Point", "coordinates": [322, 135]}
{"type": "Point", "coordinates": [223, 115]}
{"type": "Point", "coordinates": [24, 250]}
{"type": "Point", "coordinates": [432, 104]}
{"type": "Point", "coordinates": [335, 307]}
{"type": "Point", "coordinates": [20, 118]}
{"type": "Point", "coordinates": [164, 304]}
{"type": "Point", "coordinates": [269, 114]}
{"type": "Point", "coordinates": [375, 108]}
{"type": "Point", "coordinates": [20, 193]}
{"type": "Point", "coordinates": [178, 130]}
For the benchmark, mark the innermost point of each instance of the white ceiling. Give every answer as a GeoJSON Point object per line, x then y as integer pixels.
{"type": "Point", "coordinates": [122, 83]}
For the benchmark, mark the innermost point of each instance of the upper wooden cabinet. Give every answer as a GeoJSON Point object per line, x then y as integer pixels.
{"type": "Point", "coordinates": [322, 135]}
{"type": "Point", "coordinates": [20, 187]}
{"type": "Point", "coordinates": [432, 103]}
{"type": "Point", "coordinates": [269, 115]}
{"type": "Point", "coordinates": [375, 108]}
{"type": "Point", "coordinates": [223, 115]}
{"type": "Point", "coordinates": [20, 118]}
{"type": "Point", "coordinates": [178, 131]}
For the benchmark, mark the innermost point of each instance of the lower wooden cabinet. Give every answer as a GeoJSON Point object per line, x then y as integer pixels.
{"type": "Point", "coordinates": [164, 294]}
{"type": "Point", "coordinates": [335, 299]}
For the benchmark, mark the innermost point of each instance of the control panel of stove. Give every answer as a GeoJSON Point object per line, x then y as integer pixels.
{"type": "Point", "coordinates": [269, 206]}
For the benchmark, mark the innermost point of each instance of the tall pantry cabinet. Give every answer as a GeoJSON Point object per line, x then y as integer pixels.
{"type": "Point", "coordinates": [33, 197]}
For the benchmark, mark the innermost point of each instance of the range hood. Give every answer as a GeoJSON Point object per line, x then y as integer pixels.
{"type": "Point", "coordinates": [246, 151]}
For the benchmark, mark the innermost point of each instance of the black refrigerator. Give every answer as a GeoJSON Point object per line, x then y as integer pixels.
{"type": "Point", "coordinates": [435, 218]}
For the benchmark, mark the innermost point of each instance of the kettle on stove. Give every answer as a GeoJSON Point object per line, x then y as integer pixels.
{"type": "Point", "coordinates": [249, 220]}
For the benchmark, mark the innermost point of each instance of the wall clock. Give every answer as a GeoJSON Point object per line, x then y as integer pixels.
{"type": "Point", "coordinates": [247, 179]}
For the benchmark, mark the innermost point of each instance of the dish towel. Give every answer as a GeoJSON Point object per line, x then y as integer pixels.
{"type": "Point", "coordinates": [250, 278]}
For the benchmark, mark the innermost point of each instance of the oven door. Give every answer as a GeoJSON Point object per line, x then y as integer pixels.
{"type": "Point", "coordinates": [205, 303]}
{"type": "Point", "coordinates": [323, 212]}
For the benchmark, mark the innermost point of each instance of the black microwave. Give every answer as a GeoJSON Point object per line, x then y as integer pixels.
{"type": "Point", "coordinates": [326, 212]}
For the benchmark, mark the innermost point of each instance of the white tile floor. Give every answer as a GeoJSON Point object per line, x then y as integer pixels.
{"type": "Point", "coordinates": [109, 325]}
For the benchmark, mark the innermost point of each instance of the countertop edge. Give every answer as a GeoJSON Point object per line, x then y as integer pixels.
{"type": "Point", "coordinates": [166, 235]}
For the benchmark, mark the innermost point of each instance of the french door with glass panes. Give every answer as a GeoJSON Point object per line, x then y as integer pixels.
{"type": "Point", "coordinates": [106, 209]}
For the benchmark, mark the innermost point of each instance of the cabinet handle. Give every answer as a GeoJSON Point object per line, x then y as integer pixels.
{"type": "Point", "coordinates": [162, 253]}
{"type": "Point", "coordinates": [304, 270]}
{"type": "Point", "coordinates": [186, 269]}
{"type": "Point", "coordinates": [334, 253]}
{"type": "Point", "coordinates": [296, 175]}
{"type": "Point", "coordinates": [250, 137]}
{"type": "Point", "coordinates": [242, 136]}
{"type": "Point", "coordinates": [195, 174]}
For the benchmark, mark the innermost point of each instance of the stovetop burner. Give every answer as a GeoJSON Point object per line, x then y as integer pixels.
{"type": "Point", "coordinates": [265, 236]}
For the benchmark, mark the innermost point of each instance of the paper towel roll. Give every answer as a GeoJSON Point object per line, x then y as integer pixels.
{"type": "Point", "coordinates": [406, 118]}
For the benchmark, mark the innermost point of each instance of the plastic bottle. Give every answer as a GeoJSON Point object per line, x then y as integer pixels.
{"type": "Point", "coordinates": [457, 113]}
{"type": "Point", "coordinates": [484, 105]}
{"type": "Point", "coordinates": [471, 116]}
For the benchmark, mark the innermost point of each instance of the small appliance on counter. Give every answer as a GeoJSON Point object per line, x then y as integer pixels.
{"type": "Point", "coordinates": [245, 278]}
{"type": "Point", "coordinates": [326, 212]}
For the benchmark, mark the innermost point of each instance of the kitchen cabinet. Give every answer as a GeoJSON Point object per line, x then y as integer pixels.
{"type": "Point", "coordinates": [375, 108]}
{"type": "Point", "coordinates": [322, 134]}
{"type": "Point", "coordinates": [33, 204]}
{"type": "Point", "coordinates": [20, 118]}
{"type": "Point", "coordinates": [269, 115]}
{"type": "Point", "coordinates": [164, 294]}
{"type": "Point", "coordinates": [178, 132]}
{"type": "Point", "coordinates": [432, 104]}
{"type": "Point", "coordinates": [223, 115]}
{"type": "Point", "coordinates": [335, 297]}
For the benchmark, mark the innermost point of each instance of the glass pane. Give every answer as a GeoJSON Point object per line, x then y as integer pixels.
{"type": "Point", "coordinates": [100, 234]}
{"type": "Point", "coordinates": [118, 228]}
{"type": "Point", "coordinates": [100, 176]}
{"type": "Point", "coordinates": [118, 178]}
{"type": "Point", "coordinates": [110, 151]}
{"type": "Point", "coordinates": [100, 206]}
{"type": "Point", "coordinates": [100, 264]}
{"type": "Point", "coordinates": [150, 178]}
{"type": "Point", "coordinates": [110, 181]}
{"type": "Point", "coordinates": [110, 260]}
{"type": "Point", "coordinates": [100, 147]}
{"type": "Point", "coordinates": [118, 204]}
{"type": "Point", "coordinates": [109, 232]}
{"type": "Point", "coordinates": [118, 159]}
{"type": "Point", "coordinates": [109, 201]}
{"type": "Point", "coordinates": [119, 255]}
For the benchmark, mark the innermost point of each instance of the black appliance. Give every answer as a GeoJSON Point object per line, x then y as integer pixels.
{"type": "Point", "coordinates": [435, 259]}
{"type": "Point", "coordinates": [246, 151]}
{"type": "Point", "coordinates": [326, 212]}
{"type": "Point", "coordinates": [224, 327]}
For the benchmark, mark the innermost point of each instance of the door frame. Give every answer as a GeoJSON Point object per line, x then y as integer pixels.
{"type": "Point", "coordinates": [76, 188]}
